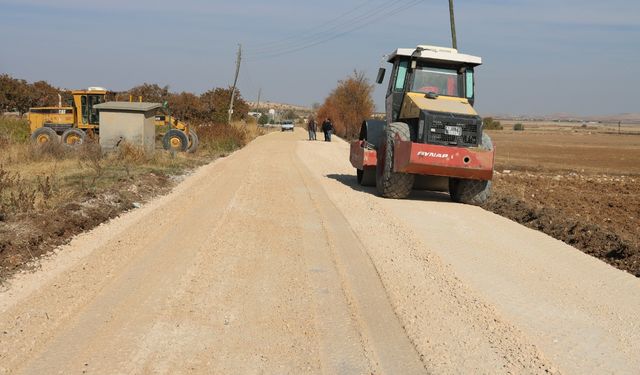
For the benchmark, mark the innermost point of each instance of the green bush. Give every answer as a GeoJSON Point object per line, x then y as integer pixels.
{"type": "Point", "coordinates": [263, 120]}
{"type": "Point", "coordinates": [13, 129]}
{"type": "Point", "coordinates": [518, 127]}
{"type": "Point", "coordinates": [491, 124]}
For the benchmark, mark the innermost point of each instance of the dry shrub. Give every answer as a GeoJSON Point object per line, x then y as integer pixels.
{"type": "Point", "coordinates": [128, 156]}
{"type": "Point", "coordinates": [50, 151]}
{"type": "Point", "coordinates": [15, 154]}
{"type": "Point", "coordinates": [223, 138]}
{"type": "Point", "coordinates": [89, 150]}
{"type": "Point", "coordinates": [90, 155]}
{"type": "Point", "coordinates": [7, 180]}
{"type": "Point", "coordinates": [131, 154]}
{"type": "Point", "coordinates": [22, 199]}
{"type": "Point", "coordinates": [46, 185]}
{"type": "Point", "coordinates": [18, 195]}
{"type": "Point", "coordinates": [4, 141]}
{"type": "Point", "coordinates": [252, 132]}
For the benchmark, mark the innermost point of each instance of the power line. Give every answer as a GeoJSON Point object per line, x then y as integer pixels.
{"type": "Point", "coordinates": [249, 80]}
{"type": "Point", "coordinates": [364, 21]}
{"type": "Point", "coordinates": [374, 13]}
{"type": "Point", "coordinates": [312, 30]}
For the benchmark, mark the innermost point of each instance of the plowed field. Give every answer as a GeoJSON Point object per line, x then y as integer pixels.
{"type": "Point", "coordinates": [581, 186]}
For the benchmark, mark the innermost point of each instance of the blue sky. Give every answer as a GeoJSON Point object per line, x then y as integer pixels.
{"type": "Point", "coordinates": [540, 57]}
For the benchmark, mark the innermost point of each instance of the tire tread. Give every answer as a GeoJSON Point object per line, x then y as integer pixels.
{"type": "Point", "coordinates": [393, 184]}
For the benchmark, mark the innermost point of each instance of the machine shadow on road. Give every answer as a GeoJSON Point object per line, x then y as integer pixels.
{"type": "Point", "coordinates": [350, 181]}
{"type": "Point", "coordinates": [416, 195]}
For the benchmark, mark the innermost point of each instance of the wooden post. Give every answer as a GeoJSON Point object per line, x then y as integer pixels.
{"type": "Point", "coordinates": [454, 41]}
{"type": "Point", "coordinates": [235, 81]}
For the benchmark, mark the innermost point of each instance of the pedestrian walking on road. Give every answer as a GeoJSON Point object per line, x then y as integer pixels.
{"type": "Point", "coordinates": [312, 127]}
{"type": "Point", "coordinates": [327, 128]}
{"type": "Point", "coordinates": [324, 129]}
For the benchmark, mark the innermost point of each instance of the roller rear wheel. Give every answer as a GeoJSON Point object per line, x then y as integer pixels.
{"type": "Point", "coordinates": [474, 192]}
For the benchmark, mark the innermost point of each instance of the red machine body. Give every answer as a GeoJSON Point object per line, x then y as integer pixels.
{"type": "Point", "coordinates": [361, 156]}
{"type": "Point", "coordinates": [426, 159]}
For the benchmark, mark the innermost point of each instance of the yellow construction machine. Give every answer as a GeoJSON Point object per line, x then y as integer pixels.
{"type": "Point", "coordinates": [179, 136]}
{"type": "Point", "coordinates": [73, 123]}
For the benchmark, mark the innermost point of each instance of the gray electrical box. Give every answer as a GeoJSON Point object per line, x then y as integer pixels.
{"type": "Point", "coordinates": [132, 122]}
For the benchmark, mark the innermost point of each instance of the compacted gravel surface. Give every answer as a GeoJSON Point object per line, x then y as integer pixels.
{"type": "Point", "coordinates": [273, 260]}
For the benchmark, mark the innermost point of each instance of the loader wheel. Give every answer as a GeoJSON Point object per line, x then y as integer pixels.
{"type": "Point", "coordinates": [366, 177]}
{"type": "Point", "coordinates": [44, 135]}
{"type": "Point", "coordinates": [175, 140]}
{"type": "Point", "coordinates": [474, 192]}
{"type": "Point", "coordinates": [193, 142]}
{"type": "Point", "coordinates": [392, 184]}
{"type": "Point", "coordinates": [73, 137]}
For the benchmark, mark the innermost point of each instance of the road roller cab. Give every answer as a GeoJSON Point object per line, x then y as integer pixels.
{"type": "Point", "coordinates": [432, 135]}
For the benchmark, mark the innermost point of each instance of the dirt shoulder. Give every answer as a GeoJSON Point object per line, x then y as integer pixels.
{"type": "Point", "coordinates": [598, 214]}
{"type": "Point", "coordinates": [578, 185]}
{"type": "Point", "coordinates": [50, 193]}
{"type": "Point", "coordinates": [26, 236]}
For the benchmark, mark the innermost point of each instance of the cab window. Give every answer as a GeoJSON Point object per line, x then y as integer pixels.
{"type": "Point", "coordinates": [401, 75]}
{"type": "Point", "coordinates": [92, 112]}
{"type": "Point", "coordinates": [469, 83]}
{"type": "Point", "coordinates": [85, 112]}
{"type": "Point", "coordinates": [437, 81]}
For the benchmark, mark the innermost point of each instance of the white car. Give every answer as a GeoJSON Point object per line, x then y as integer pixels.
{"type": "Point", "coordinates": [287, 125]}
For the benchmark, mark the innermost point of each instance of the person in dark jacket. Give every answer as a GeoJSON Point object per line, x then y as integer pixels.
{"type": "Point", "coordinates": [327, 128]}
{"type": "Point", "coordinates": [324, 129]}
{"type": "Point", "coordinates": [312, 127]}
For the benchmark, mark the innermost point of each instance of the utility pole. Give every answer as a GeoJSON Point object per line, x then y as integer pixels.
{"type": "Point", "coordinates": [453, 25]}
{"type": "Point", "coordinates": [235, 81]}
{"type": "Point", "coordinates": [258, 103]}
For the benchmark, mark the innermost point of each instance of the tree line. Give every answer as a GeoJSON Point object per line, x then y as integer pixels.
{"type": "Point", "coordinates": [347, 105]}
{"type": "Point", "coordinates": [17, 95]}
{"type": "Point", "coordinates": [210, 106]}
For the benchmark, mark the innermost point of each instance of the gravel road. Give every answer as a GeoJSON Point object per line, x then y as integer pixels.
{"type": "Point", "coordinates": [273, 260]}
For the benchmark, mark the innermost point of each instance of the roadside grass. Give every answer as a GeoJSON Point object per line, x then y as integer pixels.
{"type": "Point", "coordinates": [49, 193]}
{"type": "Point", "coordinates": [13, 129]}
{"type": "Point", "coordinates": [23, 166]}
{"type": "Point", "coordinates": [85, 168]}
{"type": "Point", "coordinates": [219, 140]}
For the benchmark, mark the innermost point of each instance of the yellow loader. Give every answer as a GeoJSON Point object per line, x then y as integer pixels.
{"type": "Point", "coordinates": [73, 123]}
